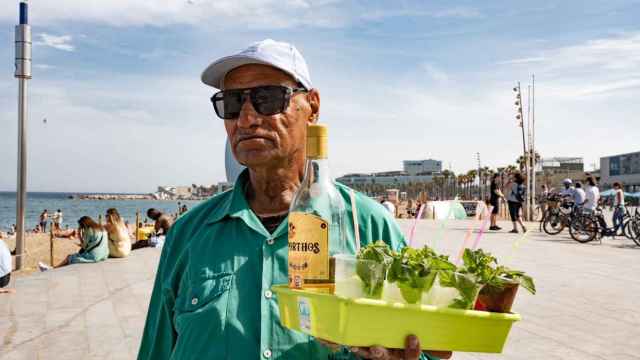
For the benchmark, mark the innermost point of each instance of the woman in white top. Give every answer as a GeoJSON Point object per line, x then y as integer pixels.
{"type": "Point", "coordinates": [618, 204]}
{"type": "Point", "coordinates": [593, 195]}
{"type": "Point", "coordinates": [119, 240]}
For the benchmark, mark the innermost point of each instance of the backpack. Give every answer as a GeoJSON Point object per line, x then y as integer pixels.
{"type": "Point", "coordinates": [519, 193]}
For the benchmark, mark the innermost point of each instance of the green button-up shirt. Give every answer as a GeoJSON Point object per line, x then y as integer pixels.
{"type": "Point", "coordinates": [212, 297]}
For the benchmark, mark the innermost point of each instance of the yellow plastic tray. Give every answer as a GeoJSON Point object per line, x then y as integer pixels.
{"type": "Point", "coordinates": [366, 322]}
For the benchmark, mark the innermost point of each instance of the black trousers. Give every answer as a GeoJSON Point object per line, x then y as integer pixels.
{"type": "Point", "coordinates": [514, 210]}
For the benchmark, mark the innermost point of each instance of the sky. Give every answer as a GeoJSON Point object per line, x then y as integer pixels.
{"type": "Point", "coordinates": [118, 82]}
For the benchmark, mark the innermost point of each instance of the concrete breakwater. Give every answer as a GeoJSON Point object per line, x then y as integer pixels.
{"type": "Point", "coordinates": [116, 197]}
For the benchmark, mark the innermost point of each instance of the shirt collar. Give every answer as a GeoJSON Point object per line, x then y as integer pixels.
{"type": "Point", "coordinates": [236, 206]}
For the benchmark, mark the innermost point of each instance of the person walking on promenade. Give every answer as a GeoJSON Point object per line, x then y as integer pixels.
{"type": "Point", "coordinates": [618, 205]}
{"type": "Point", "coordinates": [44, 218]}
{"type": "Point", "coordinates": [57, 220]}
{"type": "Point", "coordinates": [592, 194]}
{"type": "Point", "coordinates": [93, 245]}
{"type": "Point", "coordinates": [119, 240]}
{"type": "Point", "coordinates": [212, 296]}
{"type": "Point", "coordinates": [494, 201]}
{"type": "Point", "coordinates": [515, 199]}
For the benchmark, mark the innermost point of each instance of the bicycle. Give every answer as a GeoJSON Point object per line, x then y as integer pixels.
{"type": "Point", "coordinates": [559, 214]}
{"type": "Point", "coordinates": [631, 227]}
{"type": "Point", "coordinates": [586, 227]}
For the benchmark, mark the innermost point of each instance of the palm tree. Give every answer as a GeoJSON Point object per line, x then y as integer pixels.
{"type": "Point", "coordinates": [461, 181]}
{"type": "Point", "coordinates": [471, 174]}
{"type": "Point", "coordinates": [511, 169]}
{"type": "Point", "coordinates": [446, 174]}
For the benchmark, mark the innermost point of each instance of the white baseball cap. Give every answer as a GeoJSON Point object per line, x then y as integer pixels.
{"type": "Point", "coordinates": [280, 55]}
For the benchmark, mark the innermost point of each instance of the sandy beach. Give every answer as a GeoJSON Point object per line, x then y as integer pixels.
{"type": "Point", "coordinates": [38, 249]}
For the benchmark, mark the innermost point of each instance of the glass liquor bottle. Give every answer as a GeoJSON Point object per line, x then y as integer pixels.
{"type": "Point", "coordinates": [316, 220]}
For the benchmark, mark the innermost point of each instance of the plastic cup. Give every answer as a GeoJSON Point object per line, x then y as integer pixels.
{"type": "Point", "coordinates": [442, 294]}
{"type": "Point", "coordinates": [358, 278]}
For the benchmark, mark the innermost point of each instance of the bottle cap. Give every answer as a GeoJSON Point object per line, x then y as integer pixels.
{"type": "Point", "coordinates": [317, 135]}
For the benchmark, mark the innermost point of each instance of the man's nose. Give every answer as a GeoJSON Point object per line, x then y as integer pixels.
{"type": "Point", "coordinates": [248, 116]}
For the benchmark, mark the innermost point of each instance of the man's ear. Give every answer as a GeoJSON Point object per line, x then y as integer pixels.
{"type": "Point", "coordinates": [313, 97]}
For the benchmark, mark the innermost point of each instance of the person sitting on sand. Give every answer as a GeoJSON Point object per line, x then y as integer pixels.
{"type": "Point", "coordinates": [119, 240]}
{"type": "Point", "coordinates": [161, 227]}
{"type": "Point", "coordinates": [163, 221]}
{"type": "Point", "coordinates": [5, 268]}
{"type": "Point", "coordinates": [93, 242]}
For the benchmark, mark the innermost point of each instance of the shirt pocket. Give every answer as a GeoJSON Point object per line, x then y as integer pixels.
{"type": "Point", "coordinates": [202, 309]}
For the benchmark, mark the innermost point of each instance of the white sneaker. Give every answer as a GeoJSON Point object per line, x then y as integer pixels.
{"type": "Point", "coordinates": [43, 267]}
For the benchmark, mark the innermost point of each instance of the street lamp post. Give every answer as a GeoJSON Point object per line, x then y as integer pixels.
{"type": "Point", "coordinates": [520, 117]}
{"type": "Point", "coordinates": [22, 73]}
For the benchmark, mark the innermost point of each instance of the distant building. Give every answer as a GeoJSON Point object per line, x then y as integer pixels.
{"type": "Point", "coordinates": [562, 164]}
{"type": "Point", "coordinates": [419, 167]}
{"type": "Point", "coordinates": [415, 171]}
{"type": "Point", "coordinates": [624, 168]}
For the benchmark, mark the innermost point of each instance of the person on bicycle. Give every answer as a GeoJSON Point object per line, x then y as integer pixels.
{"type": "Point", "coordinates": [568, 190]}
{"type": "Point", "coordinates": [618, 205]}
{"type": "Point", "coordinates": [593, 195]}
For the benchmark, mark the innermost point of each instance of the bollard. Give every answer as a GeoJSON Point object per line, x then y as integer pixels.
{"type": "Point", "coordinates": [137, 222]}
{"type": "Point", "coordinates": [51, 245]}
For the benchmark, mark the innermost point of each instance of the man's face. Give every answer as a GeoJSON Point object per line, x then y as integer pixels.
{"type": "Point", "coordinates": [260, 140]}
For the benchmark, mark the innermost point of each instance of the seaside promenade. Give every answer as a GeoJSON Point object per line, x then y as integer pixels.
{"type": "Point", "coordinates": [586, 307]}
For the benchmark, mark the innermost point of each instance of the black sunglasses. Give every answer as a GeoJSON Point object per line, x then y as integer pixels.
{"type": "Point", "coordinates": [266, 100]}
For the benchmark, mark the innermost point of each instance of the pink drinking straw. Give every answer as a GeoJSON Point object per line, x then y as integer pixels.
{"type": "Point", "coordinates": [415, 223]}
{"type": "Point", "coordinates": [467, 237]}
{"type": "Point", "coordinates": [442, 227]}
{"type": "Point", "coordinates": [482, 227]}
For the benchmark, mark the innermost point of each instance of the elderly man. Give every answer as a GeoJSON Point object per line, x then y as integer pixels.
{"type": "Point", "coordinates": [212, 297]}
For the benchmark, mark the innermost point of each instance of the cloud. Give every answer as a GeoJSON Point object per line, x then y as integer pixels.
{"type": "Point", "coordinates": [458, 12]}
{"type": "Point", "coordinates": [453, 12]}
{"type": "Point", "coordinates": [216, 14]}
{"type": "Point", "coordinates": [435, 73]}
{"type": "Point", "coordinates": [595, 67]}
{"type": "Point", "coordinates": [522, 61]}
{"type": "Point", "coordinates": [254, 14]}
{"type": "Point", "coordinates": [44, 66]}
{"type": "Point", "coordinates": [57, 42]}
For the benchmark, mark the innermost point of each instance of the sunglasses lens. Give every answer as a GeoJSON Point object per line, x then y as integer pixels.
{"type": "Point", "coordinates": [269, 100]}
{"type": "Point", "coordinates": [266, 100]}
{"type": "Point", "coordinates": [231, 104]}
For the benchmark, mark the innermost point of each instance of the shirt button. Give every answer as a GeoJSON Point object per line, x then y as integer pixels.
{"type": "Point", "coordinates": [267, 353]}
{"type": "Point", "coordinates": [268, 294]}
{"type": "Point", "coordinates": [194, 301]}
{"type": "Point", "coordinates": [270, 241]}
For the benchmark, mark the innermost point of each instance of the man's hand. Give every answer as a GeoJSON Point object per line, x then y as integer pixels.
{"type": "Point", "coordinates": [411, 351]}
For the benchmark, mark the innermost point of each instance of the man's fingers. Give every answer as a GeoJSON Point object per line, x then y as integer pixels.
{"type": "Point", "coordinates": [412, 348]}
{"type": "Point", "coordinates": [361, 352]}
{"type": "Point", "coordinates": [379, 353]}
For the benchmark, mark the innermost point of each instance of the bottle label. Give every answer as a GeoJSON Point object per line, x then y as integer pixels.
{"type": "Point", "coordinates": [308, 247]}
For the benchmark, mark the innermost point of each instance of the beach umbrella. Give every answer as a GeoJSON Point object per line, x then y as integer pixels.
{"type": "Point", "coordinates": [608, 193]}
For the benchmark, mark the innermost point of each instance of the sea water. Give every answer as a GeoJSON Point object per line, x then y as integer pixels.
{"type": "Point", "coordinates": [74, 209]}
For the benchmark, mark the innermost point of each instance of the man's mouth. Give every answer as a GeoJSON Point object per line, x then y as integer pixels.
{"type": "Point", "coordinates": [251, 137]}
